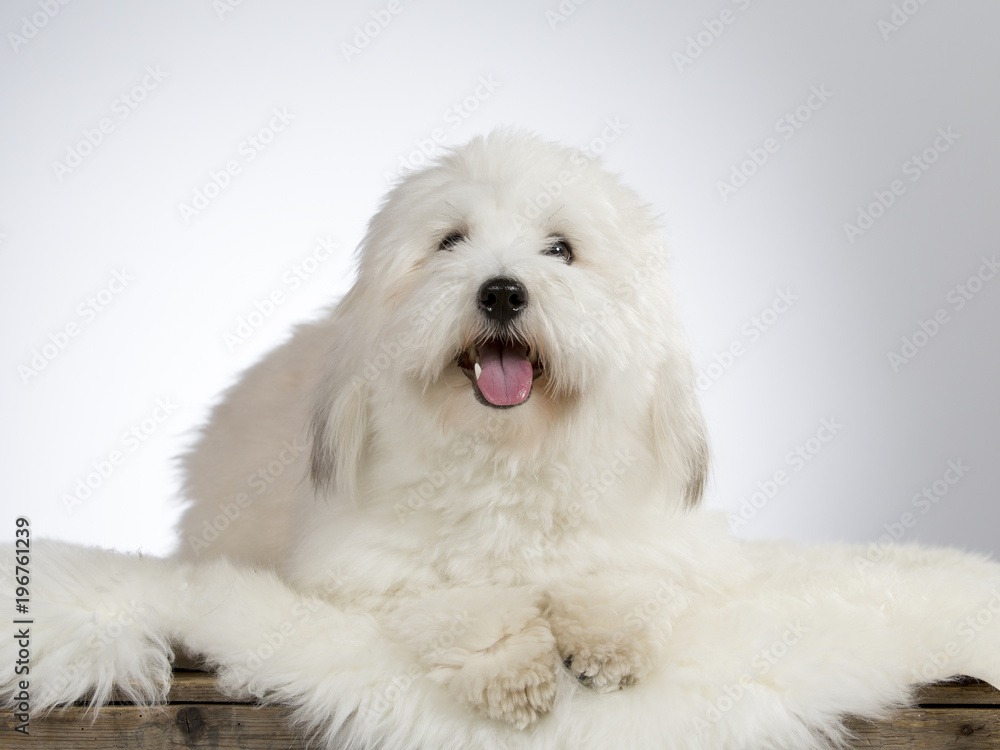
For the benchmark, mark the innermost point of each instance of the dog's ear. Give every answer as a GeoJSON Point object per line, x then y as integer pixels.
{"type": "Point", "coordinates": [340, 432]}
{"type": "Point", "coordinates": [679, 430]}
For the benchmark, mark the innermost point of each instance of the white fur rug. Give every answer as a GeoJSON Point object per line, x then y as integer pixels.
{"type": "Point", "coordinates": [770, 645]}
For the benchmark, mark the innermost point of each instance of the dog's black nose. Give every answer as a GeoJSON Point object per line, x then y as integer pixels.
{"type": "Point", "coordinates": [502, 298]}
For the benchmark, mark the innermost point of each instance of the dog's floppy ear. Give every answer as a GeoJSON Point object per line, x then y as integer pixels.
{"type": "Point", "coordinates": [340, 432]}
{"type": "Point", "coordinates": [679, 428]}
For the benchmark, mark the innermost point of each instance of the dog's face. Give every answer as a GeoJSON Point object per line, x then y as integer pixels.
{"type": "Point", "coordinates": [515, 279]}
{"type": "Point", "coordinates": [512, 274]}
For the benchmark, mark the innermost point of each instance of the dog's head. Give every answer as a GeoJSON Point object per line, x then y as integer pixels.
{"type": "Point", "coordinates": [518, 282]}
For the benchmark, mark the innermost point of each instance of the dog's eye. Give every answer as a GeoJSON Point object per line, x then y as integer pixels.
{"type": "Point", "coordinates": [451, 240]}
{"type": "Point", "coordinates": [560, 248]}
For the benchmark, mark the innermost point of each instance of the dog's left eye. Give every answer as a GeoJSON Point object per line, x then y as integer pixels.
{"type": "Point", "coordinates": [560, 248]}
{"type": "Point", "coordinates": [450, 241]}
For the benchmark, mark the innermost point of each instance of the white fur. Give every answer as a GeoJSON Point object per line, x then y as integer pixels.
{"type": "Point", "coordinates": [410, 568]}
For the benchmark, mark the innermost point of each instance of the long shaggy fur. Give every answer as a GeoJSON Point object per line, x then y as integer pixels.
{"type": "Point", "coordinates": [409, 567]}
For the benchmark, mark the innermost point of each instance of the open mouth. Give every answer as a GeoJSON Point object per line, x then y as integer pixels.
{"type": "Point", "coordinates": [502, 371]}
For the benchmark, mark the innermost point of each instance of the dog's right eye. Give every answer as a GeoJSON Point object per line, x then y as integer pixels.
{"type": "Point", "coordinates": [560, 248]}
{"type": "Point", "coordinates": [451, 240]}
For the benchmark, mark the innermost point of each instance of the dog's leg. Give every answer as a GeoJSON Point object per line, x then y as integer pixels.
{"type": "Point", "coordinates": [491, 648]}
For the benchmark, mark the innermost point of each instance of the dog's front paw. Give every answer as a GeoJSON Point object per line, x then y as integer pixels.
{"type": "Point", "coordinates": [598, 649]}
{"type": "Point", "coordinates": [514, 679]}
{"type": "Point", "coordinates": [605, 665]}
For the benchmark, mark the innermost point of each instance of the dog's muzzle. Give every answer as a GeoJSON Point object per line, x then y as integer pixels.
{"type": "Point", "coordinates": [501, 367]}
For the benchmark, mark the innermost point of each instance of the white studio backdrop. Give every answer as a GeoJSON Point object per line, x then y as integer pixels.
{"type": "Point", "coordinates": [182, 182]}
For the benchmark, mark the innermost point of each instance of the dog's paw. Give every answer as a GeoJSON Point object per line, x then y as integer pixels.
{"type": "Point", "coordinates": [605, 666]}
{"type": "Point", "coordinates": [597, 647]}
{"type": "Point", "coordinates": [514, 679]}
{"type": "Point", "coordinates": [519, 694]}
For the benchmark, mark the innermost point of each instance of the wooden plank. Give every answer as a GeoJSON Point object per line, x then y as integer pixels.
{"type": "Point", "coordinates": [196, 687]}
{"type": "Point", "coordinates": [200, 687]}
{"type": "Point", "coordinates": [244, 727]}
{"type": "Point", "coordinates": [187, 686]}
{"type": "Point", "coordinates": [965, 691]}
{"type": "Point", "coordinates": [962, 714]}
{"type": "Point", "coordinates": [210, 726]}
{"type": "Point", "coordinates": [931, 729]}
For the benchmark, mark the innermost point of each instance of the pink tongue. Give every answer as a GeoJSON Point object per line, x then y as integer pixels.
{"type": "Point", "coordinates": [506, 376]}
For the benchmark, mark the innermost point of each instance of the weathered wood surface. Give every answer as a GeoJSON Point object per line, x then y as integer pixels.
{"type": "Point", "coordinates": [964, 691]}
{"type": "Point", "coordinates": [927, 728]}
{"type": "Point", "coordinates": [219, 726]}
{"type": "Point", "coordinates": [951, 715]}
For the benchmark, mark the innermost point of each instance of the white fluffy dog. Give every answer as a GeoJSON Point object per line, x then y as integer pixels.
{"type": "Point", "coordinates": [459, 511]}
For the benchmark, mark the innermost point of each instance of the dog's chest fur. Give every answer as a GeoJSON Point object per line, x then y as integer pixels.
{"type": "Point", "coordinates": [480, 515]}
{"type": "Point", "coordinates": [497, 518]}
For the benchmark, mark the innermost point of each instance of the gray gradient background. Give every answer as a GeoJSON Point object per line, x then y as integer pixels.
{"type": "Point", "coordinates": [682, 132]}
